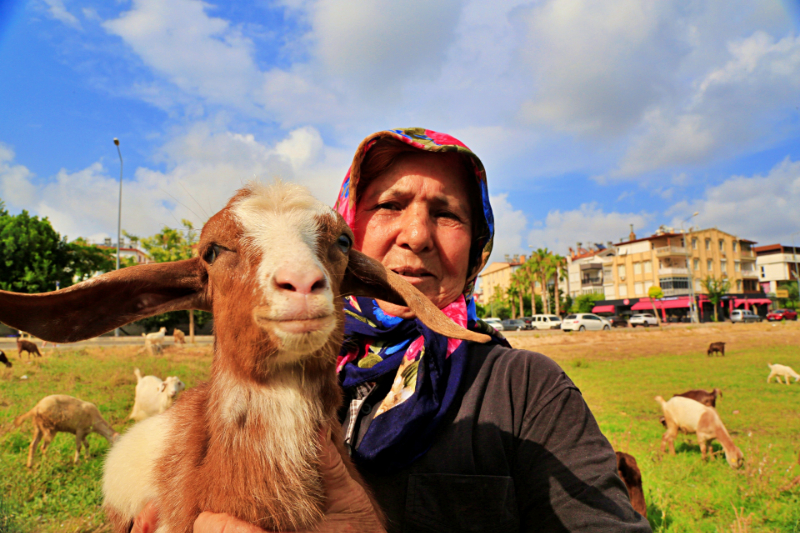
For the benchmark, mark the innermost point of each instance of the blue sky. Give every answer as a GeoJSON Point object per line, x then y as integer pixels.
{"type": "Point", "coordinates": [589, 116]}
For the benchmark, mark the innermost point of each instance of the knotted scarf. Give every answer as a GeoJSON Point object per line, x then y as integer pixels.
{"type": "Point", "coordinates": [427, 368]}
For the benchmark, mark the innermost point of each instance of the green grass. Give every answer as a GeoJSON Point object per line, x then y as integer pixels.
{"type": "Point", "coordinates": [684, 494]}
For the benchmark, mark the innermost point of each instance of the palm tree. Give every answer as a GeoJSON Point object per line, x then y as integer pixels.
{"type": "Point", "coordinates": [559, 263]}
{"type": "Point", "coordinates": [518, 283]}
{"type": "Point", "coordinates": [539, 264]}
{"type": "Point", "coordinates": [716, 289]}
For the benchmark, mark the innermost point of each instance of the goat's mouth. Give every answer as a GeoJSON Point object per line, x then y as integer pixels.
{"type": "Point", "coordinates": [294, 324]}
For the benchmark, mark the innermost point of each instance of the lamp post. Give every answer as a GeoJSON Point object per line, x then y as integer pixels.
{"type": "Point", "coordinates": [688, 244]}
{"type": "Point", "coordinates": [119, 211]}
{"type": "Point", "coordinates": [794, 260]}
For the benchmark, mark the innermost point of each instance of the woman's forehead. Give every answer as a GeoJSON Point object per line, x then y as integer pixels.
{"type": "Point", "coordinates": [438, 178]}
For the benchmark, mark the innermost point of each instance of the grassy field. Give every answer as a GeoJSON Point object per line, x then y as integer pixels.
{"type": "Point", "coordinates": [619, 373]}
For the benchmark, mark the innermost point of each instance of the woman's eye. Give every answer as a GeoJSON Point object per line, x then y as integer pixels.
{"type": "Point", "coordinates": [388, 205]}
{"type": "Point", "coordinates": [344, 243]}
{"type": "Point", "coordinates": [211, 254]}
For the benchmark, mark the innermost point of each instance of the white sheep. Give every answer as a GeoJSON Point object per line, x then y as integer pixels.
{"type": "Point", "coordinates": [154, 340]}
{"type": "Point", "coordinates": [154, 396]}
{"type": "Point", "coordinates": [691, 416]}
{"type": "Point", "coordinates": [60, 412]}
{"type": "Point", "coordinates": [778, 371]}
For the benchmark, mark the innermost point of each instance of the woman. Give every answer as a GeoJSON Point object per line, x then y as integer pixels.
{"type": "Point", "coordinates": [450, 436]}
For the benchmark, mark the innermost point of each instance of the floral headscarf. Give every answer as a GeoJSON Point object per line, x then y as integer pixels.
{"type": "Point", "coordinates": [426, 366]}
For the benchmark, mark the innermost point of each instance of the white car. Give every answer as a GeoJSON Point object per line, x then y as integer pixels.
{"type": "Point", "coordinates": [545, 322]}
{"type": "Point", "coordinates": [643, 319]}
{"type": "Point", "coordinates": [585, 321]}
{"type": "Point", "coordinates": [496, 323]}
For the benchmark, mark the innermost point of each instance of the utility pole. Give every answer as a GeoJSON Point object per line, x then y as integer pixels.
{"type": "Point", "coordinates": [119, 211]}
{"type": "Point", "coordinates": [688, 246]}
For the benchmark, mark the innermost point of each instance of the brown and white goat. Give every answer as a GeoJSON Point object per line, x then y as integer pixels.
{"type": "Point", "coordinates": [60, 412]}
{"type": "Point", "coordinates": [691, 416]}
{"type": "Point", "coordinates": [273, 266]}
{"type": "Point", "coordinates": [27, 346]}
{"type": "Point", "coordinates": [698, 395]}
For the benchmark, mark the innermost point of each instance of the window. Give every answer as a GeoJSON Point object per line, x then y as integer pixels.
{"type": "Point", "coordinates": [721, 245]}
{"type": "Point", "coordinates": [637, 268]}
{"type": "Point", "coordinates": [710, 266]}
{"type": "Point", "coordinates": [708, 244]}
{"type": "Point", "coordinates": [638, 288]}
{"type": "Point", "coordinates": [648, 267]}
{"type": "Point", "coordinates": [737, 266]}
{"type": "Point", "coordinates": [738, 285]}
{"type": "Point", "coordinates": [623, 291]}
{"type": "Point", "coordinates": [675, 283]}
{"type": "Point", "coordinates": [723, 265]}
{"type": "Point", "coordinates": [696, 265]}
{"type": "Point", "coordinates": [621, 272]}
{"type": "Point", "coordinates": [694, 243]}
{"type": "Point", "coordinates": [647, 285]}
{"type": "Point", "coordinates": [763, 273]}
{"type": "Point", "coordinates": [734, 246]}
{"type": "Point", "coordinates": [698, 287]}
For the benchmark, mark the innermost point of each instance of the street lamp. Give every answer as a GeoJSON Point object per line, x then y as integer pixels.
{"type": "Point", "coordinates": [688, 245]}
{"type": "Point", "coordinates": [119, 211]}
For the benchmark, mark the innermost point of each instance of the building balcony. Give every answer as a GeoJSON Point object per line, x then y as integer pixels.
{"type": "Point", "coordinates": [676, 292]}
{"type": "Point", "coordinates": [673, 271]}
{"type": "Point", "coordinates": [591, 282]}
{"type": "Point", "coordinates": [749, 274]}
{"type": "Point", "coordinates": [591, 266]}
{"type": "Point", "coordinates": [665, 251]}
{"type": "Point", "coordinates": [747, 254]}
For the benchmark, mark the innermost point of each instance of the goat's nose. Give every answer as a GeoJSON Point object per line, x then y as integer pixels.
{"type": "Point", "coordinates": [305, 280]}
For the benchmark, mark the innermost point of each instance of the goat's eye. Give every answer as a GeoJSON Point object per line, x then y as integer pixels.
{"type": "Point", "coordinates": [211, 254]}
{"type": "Point", "coordinates": [344, 242]}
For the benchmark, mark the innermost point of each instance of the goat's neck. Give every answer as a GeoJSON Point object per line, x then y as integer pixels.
{"type": "Point", "coordinates": [723, 437]}
{"type": "Point", "coordinates": [100, 426]}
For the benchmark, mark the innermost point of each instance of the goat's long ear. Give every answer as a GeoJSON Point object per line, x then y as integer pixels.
{"type": "Point", "coordinates": [367, 277]}
{"type": "Point", "coordinates": [101, 304]}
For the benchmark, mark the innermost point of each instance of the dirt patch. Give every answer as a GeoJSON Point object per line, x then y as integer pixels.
{"type": "Point", "coordinates": [673, 340]}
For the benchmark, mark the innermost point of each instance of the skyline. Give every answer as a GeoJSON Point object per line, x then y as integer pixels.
{"type": "Point", "coordinates": [587, 117]}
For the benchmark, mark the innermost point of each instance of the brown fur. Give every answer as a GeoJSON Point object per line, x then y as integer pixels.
{"type": "Point", "coordinates": [702, 396]}
{"type": "Point", "coordinates": [718, 347]}
{"type": "Point", "coordinates": [4, 359]}
{"type": "Point", "coordinates": [64, 413]}
{"type": "Point", "coordinates": [178, 336]}
{"type": "Point", "coordinates": [629, 472]}
{"type": "Point", "coordinates": [27, 346]}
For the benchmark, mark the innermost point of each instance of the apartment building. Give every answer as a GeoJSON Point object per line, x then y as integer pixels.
{"type": "Point", "coordinates": [776, 263]}
{"type": "Point", "coordinates": [585, 269]}
{"type": "Point", "coordinates": [498, 275]}
{"type": "Point", "coordinates": [671, 259]}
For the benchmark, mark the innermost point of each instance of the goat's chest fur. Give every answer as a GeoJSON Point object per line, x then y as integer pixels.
{"type": "Point", "coordinates": [246, 450]}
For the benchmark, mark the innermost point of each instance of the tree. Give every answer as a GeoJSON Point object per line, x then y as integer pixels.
{"type": "Point", "coordinates": [791, 288]}
{"type": "Point", "coordinates": [559, 265]}
{"type": "Point", "coordinates": [538, 265]}
{"type": "Point", "coordinates": [586, 302]}
{"type": "Point", "coordinates": [655, 293]}
{"type": "Point", "coordinates": [716, 288]}
{"type": "Point", "coordinates": [518, 283]}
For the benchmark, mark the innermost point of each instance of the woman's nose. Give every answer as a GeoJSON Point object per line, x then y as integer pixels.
{"type": "Point", "coordinates": [416, 231]}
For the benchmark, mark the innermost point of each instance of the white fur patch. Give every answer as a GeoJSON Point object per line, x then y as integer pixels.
{"type": "Point", "coordinates": [128, 477]}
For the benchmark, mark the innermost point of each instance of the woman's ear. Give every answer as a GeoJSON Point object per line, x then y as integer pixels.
{"type": "Point", "coordinates": [101, 304]}
{"type": "Point", "coordinates": [367, 277]}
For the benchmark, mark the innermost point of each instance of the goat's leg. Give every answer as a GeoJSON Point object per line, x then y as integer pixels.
{"type": "Point", "coordinates": [80, 435]}
{"type": "Point", "coordinates": [703, 448]}
{"type": "Point", "coordinates": [37, 436]}
{"type": "Point", "coordinates": [48, 438]}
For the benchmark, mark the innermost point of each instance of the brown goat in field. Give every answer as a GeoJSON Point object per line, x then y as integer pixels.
{"type": "Point", "coordinates": [273, 267]}
{"type": "Point", "coordinates": [178, 336]}
{"type": "Point", "coordinates": [718, 347]}
{"type": "Point", "coordinates": [629, 471]}
{"type": "Point", "coordinates": [4, 359]}
{"type": "Point", "coordinates": [698, 395]}
{"type": "Point", "coordinates": [27, 346]}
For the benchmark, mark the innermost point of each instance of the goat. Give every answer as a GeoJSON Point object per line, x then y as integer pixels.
{"type": "Point", "coordinates": [178, 336]}
{"type": "Point", "coordinates": [60, 412]}
{"type": "Point", "coordinates": [27, 346]}
{"type": "Point", "coordinates": [698, 395]}
{"type": "Point", "coordinates": [273, 266]}
{"type": "Point", "coordinates": [629, 472]}
{"type": "Point", "coordinates": [155, 340]}
{"type": "Point", "coordinates": [692, 416]}
{"type": "Point", "coordinates": [154, 396]}
{"type": "Point", "coordinates": [4, 359]}
{"type": "Point", "coordinates": [778, 371]}
{"type": "Point", "coordinates": [718, 347]}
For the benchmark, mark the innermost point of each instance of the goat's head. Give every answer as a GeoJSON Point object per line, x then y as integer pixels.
{"type": "Point", "coordinates": [272, 265]}
{"type": "Point", "coordinates": [172, 385]}
{"type": "Point", "coordinates": [4, 359]}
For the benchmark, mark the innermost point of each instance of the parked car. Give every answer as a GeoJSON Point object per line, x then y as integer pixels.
{"type": "Point", "coordinates": [744, 315]}
{"type": "Point", "coordinates": [643, 319]}
{"type": "Point", "coordinates": [545, 322]}
{"type": "Point", "coordinates": [527, 320]}
{"type": "Point", "coordinates": [513, 324]}
{"type": "Point", "coordinates": [585, 321]}
{"type": "Point", "coordinates": [618, 321]}
{"type": "Point", "coordinates": [782, 314]}
{"type": "Point", "coordinates": [496, 323]}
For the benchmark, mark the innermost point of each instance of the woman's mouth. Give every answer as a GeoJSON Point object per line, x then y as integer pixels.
{"type": "Point", "coordinates": [413, 275]}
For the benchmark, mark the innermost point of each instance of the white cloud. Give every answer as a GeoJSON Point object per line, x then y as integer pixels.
{"type": "Point", "coordinates": [16, 188]}
{"type": "Point", "coordinates": [760, 208]}
{"type": "Point", "coordinates": [57, 10]}
{"type": "Point", "coordinates": [509, 227]}
{"type": "Point", "coordinates": [587, 224]}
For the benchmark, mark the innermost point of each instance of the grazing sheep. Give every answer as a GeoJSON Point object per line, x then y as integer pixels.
{"type": "Point", "coordinates": [273, 266]}
{"type": "Point", "coordinates": [27, 346]}
{"type": "Point", "coordinates": [4, 359]}
{"type": "Point", "coordinates": [155, 340]}
{"type": "Point", "coordinates": [629, 472]}
{"type": "Point", "coordinates": [778, 371]}
{"type": "Point", "coordinates": [718, 347]}
{"type": "Point", "coordinates": [692, 416]}
{"type": "Point", "coordinates": [154, 396]}
{"type": "Point", "coordinates": [178, 336]}
{"type": "Point", "coordinates": [60, 412]}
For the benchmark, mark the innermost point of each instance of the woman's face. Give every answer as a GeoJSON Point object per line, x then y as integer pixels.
{"type": "Point", "coordinates": [415, 219]}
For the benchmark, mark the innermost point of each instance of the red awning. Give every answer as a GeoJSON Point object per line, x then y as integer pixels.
{"type": "Point", "coordinates": [751, 301]}
{"type": "Point", "coordinates": [643, 305]}
{"type": "Point", "coordinates": [678, 303]}
{"type": "Point", "coordinates": [603, 309]}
